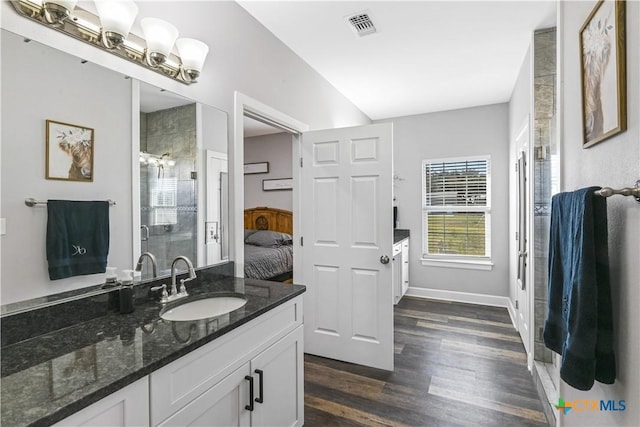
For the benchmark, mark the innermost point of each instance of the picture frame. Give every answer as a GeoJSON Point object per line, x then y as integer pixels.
{"type": "Point", "coordinates": [69, 152]}
{"type": "Point", "coordinates": [277, 184]}
{"type": "Point", "coordinates": [603, 72]}
{"type": "Point", "coordinates": [255, 168]}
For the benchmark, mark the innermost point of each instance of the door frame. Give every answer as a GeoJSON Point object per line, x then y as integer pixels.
{"type": "Point", "coordinates": [244, 105]}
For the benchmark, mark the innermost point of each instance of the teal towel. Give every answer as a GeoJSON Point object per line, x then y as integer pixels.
{"type": "Point", "coordinates": [579, 325]}
{"type": "Point", "coordinates": [77, 238]}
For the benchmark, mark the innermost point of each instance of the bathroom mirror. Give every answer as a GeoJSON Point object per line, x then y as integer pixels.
{"type": "Point", "coordinates": [40, 83]}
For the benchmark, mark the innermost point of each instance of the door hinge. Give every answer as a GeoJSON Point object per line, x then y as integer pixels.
{"type": "Point", "coordinates": [517, 236]}
{"type": "Point", "coordinates": [301, 162]}
{"type": "Point", "coordinates": [517, 305]}
{"type": "Point", "coordinates": [301, 241]}
{"type": "Point", "coordinates": [516, 166]}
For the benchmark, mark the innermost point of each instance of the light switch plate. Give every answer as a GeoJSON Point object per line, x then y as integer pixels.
{"type": "Point", "coordinates": [212, 229]}
{"type": "Point", "coordinates": [3, 226]}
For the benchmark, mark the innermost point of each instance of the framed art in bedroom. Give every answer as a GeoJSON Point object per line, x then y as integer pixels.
{"type": "Point", "coordinates": [602, 72]}
{"type": "Point", "coordinates": [253, 168]}
{"type": "Point", "coordinates": [277, 184]}
{"type": "Point", "coordinates": [69, 151]}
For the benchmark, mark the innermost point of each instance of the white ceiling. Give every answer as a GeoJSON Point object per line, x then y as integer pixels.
{"type": "Point", "coordinates": [426, 56]}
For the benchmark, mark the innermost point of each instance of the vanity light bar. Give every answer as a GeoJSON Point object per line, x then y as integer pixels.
{"type": "Point", "coordinates": [85, 26]}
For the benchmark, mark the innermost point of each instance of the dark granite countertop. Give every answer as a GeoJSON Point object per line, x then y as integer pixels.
{"type": "Point", "coordinates": [399, 234]}
{"type": "Point", "coordinates": [48, 377]}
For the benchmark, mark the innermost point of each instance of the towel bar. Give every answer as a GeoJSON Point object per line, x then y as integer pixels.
{"type": "Point", "coordinates": [31, 202]}
{"type": "Point", "coordinates": [627, 191]}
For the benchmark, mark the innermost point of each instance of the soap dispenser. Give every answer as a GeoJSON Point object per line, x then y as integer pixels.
{"type": "Point", "coordinates": [111, 282]}
{"type": "Point", "coordinates": [126, 293]}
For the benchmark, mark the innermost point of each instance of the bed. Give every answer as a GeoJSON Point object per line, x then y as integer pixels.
{"type": "Point", "coordinates": [268, 248]}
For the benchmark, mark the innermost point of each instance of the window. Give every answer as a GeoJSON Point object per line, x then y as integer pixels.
{"type": "Point", "coordinates": [163, 201]}
{"type": "Point", "coordinates": [456, 210]}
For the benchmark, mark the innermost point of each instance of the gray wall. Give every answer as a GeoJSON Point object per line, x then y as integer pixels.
{"type": "Point", "coordinates": [467, 132]}
{"type": "Point", "coordinates": [616, 163]}
{"type": "Point", "coordinates": [277, 150]}
{"type": "Point", "coordinates": [29, 97]}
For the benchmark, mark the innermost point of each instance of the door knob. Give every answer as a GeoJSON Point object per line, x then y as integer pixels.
{"type": "Point", "coordinates": [384, 259]}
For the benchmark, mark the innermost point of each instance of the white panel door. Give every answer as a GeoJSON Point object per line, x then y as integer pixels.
{"type": "Point", "coordinates": [347, 228]}
{"type": "Point", "coordinates": [216, 240]}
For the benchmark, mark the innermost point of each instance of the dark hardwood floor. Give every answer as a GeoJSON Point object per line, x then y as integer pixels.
{"type": "Point", "coordinates": [455, 365]}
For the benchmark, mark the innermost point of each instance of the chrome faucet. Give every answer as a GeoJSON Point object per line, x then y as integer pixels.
{"type": "Point", "coordinates": [192, 275]}
{"type": "Point", "coordinates": [154, 263]}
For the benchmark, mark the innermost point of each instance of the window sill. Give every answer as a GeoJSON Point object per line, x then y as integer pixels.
{"type": "Point", "coordinates": [484, 264]}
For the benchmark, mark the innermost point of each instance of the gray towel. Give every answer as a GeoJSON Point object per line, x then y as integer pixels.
{"type": "Point", "coordinates": [77, 238]}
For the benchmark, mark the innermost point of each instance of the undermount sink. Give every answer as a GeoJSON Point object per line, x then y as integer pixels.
{"type": "Point", "coordinates": [203, 308]}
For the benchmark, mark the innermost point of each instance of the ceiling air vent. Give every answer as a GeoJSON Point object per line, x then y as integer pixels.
{"type": "Point", "coordinates": [361, 24]}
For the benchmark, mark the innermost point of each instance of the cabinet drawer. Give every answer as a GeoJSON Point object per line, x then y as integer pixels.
{"type": "Point", "coordinates": [180, 382]}
{"type": "Point", "coordinates": [397, 248]}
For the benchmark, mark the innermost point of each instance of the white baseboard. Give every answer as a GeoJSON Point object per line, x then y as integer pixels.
{"type": "Point", "coordinates": [470, 298]}
{"type": "Point", "coordinates": [512, 313]}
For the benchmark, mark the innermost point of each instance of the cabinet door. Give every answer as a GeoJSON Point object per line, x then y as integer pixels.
{"type": "Point", "coordinates": [405, 266]}
{"type": "Point", "coordinates": [221, 405]}
{"type": "Point", "coordinates": [397, 272]}
{"type": "Point", "coordinates": [278, 374]}
{"type": "Point", "coordinates": [126, 407]}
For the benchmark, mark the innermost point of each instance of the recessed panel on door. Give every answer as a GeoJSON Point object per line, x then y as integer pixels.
{"type": "Point", "coordinates": [364, 200]}
{"type": "Point", "coordinates": [327, 299]}
{"type": "Point", "coordinates": [364, 302]}
{"type": "Point", "coordinates": [326, 215]}
{"type": "Point", "coordinates": [326, 153]}
{"type": "Point", "coordinates": [364, 150]}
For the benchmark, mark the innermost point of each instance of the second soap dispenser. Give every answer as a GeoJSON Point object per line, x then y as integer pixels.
{"type": "Point", "coordinates": [127, 293]}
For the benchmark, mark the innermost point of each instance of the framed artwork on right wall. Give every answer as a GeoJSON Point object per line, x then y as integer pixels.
{"type": "Point", "coordinates": [603, 72]}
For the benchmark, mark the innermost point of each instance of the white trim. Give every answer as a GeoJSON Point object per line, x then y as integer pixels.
{"type": "Point", "coordinates": [201, 159]}
{"type": "Point", "coordinates": [135, 168]}
{"type": "Point", "coordinates": [241, 104]}
{"type": "Point", "coordinates": [467, 264]}
{"type": "Point", "coordinates": [466, 297]}
{"type": "Point", "coordinates": [512, 313]}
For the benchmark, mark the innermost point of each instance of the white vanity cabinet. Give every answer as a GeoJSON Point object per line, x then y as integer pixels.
{"type": "Point", "coordinates": [126, 407]}
{"type": "Point", "coordinates": [400, 269]}
{"type": "Point", "coordinates": [212, 385]}
{"type": "Point", "coordinates": [282, 380]}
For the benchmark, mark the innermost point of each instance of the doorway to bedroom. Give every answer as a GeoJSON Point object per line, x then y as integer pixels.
{"type": "Point", "coordinates": [268, 202]}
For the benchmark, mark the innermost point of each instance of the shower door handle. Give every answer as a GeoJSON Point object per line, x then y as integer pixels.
{"type": "Point", "coordinates": [144, 235]}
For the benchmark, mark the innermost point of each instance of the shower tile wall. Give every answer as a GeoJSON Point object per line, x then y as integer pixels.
{"type": "Point", "coordinates": [545, 149]}
{"type": "Point", "coordinates": [171, 131]}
